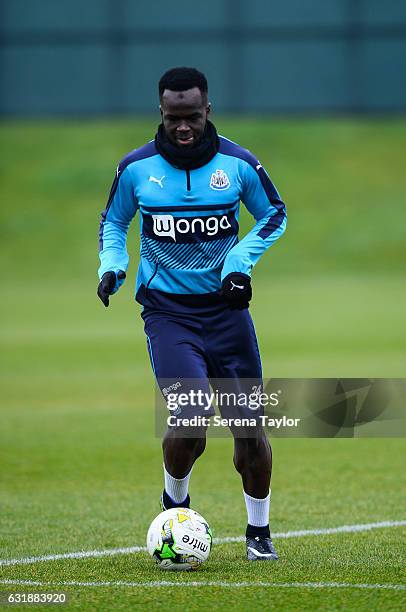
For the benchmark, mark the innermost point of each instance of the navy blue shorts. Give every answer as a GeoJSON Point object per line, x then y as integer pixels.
{"type": "Point", "coordinates": [206, 343]}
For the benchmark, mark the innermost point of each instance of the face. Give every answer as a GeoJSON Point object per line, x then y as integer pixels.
{"type": "Point", "coordinates": [184, 115]}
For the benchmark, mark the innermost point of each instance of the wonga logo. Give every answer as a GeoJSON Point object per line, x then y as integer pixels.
{"type": "Point", "coordinates": [164, 225]}
{"type": "Point", "coordinates": [169, 226]}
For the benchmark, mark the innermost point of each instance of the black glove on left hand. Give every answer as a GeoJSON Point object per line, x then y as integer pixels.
{"type": "Point", "coordinates": [236, 290]}
{"type": "Point", "coordinates": [107, 285]}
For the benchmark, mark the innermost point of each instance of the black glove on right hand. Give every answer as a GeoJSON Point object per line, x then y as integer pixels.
{"type": "Point", "coordinates": [107, 285]}
{"type": "Point", "coordinates": [236, 290]}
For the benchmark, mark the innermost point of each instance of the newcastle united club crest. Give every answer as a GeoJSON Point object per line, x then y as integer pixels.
{"type": "Point", "coordinates": [219, 180]}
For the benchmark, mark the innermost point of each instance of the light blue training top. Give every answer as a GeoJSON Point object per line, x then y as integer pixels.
{"type": "Point", "coordinates": [189, 219]}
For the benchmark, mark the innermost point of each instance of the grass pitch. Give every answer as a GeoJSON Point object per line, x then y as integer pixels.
{"type": "Point", "coordinates": [80, 466]}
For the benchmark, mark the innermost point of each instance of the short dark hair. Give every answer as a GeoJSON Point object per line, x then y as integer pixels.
{"type": "Point", "coordinates": [181, 79]}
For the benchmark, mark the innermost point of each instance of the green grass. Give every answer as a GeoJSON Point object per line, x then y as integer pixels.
{"type": "Point", "coordinates": [80, 465]}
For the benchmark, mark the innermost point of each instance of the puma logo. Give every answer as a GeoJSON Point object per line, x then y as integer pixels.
{"type": "Point", "coordinates": [152, 179]}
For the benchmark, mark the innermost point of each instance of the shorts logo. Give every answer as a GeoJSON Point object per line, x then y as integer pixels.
{"type": "Point", "coordinates": [167, 225]}
{"type": "Point", "coordinates": [219, 180]}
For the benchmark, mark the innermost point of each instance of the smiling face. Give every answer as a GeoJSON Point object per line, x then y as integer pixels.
{"type": "Point", "coordinates": [184, 115]}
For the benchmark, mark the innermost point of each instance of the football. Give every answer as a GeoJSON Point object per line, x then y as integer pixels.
{"type": "Point", "coordinates": [179, 539]}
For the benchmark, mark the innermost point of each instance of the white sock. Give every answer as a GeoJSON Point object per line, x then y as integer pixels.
{"type": "Point", "coordinates": [257, 510]}
{"type": "Point", "coordinates": [177, 488]}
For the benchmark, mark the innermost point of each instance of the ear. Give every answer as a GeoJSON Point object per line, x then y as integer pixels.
{"type": "Point", "coordinates": [161, 111]}
{"type": "Point", "coordinates": [208, 108]}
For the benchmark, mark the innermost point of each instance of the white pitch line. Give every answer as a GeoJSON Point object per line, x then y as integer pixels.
{"type": "Point", "coordinates": [214, 583]}
{"type": "Point", "coordinates": [325, 531]}
{"type": "Point", "coordinates": [83, 554]}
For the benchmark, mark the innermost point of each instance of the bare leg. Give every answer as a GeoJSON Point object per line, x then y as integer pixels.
{"type": "Point", "coordinates": [180, 453]}
{"type": "Point", "coordinates": [253, 460]}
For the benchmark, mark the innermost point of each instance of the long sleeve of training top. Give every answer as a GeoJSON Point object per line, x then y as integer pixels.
{"type": "Point", "coordinates": [120, 210]}
{"type": "Point", "coordinates": [263, 201]}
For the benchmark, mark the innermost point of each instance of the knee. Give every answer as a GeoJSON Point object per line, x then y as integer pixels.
{"type": "Point", "coordinates": [193, 443]}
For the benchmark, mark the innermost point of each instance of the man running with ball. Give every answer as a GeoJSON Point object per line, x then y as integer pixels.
{"type": "Point", "coordinates": [194, 275]}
